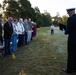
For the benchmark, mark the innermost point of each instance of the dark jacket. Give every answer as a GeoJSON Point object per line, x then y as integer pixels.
{"type": "Point", "coordinates": [71, 25]}
{"type": "Point", "coordinates": [8, 30]}
{"type": "Point", "coordinates": [0, 28]}
{"type": "Point", "coordinates": [71, 29]}
{"type": "Point", "coordinates": [71, 45]}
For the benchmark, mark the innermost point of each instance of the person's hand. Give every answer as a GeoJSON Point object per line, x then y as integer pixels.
{"type": "Point", "coordinates": [23, 32]}
{"type": "Point", "coordinates": [17, 34]}
{"type": "Point", "coordinates": [26, 30]}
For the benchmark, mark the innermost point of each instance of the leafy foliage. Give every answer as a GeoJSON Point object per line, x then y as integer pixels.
{"type": "Point", "coordinates": [23, 8]}
{"type": "Point", "coordinates": [18, 8]}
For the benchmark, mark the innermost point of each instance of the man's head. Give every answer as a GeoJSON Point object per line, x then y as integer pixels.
{"type": "Point", "coordinates": [29, 20]}
{"type": "Point", "coordinates": [70, 11]}
{"type": "Point", "coordinates": [10, 19]}
{"type": "Point", "coordinates": [21, 20]}
{"type": "Point", "coordinates": [25, 20]}
{"type": "Point", "coordinates": [15, 21]}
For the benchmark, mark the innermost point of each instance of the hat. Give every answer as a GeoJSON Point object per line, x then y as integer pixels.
{"type": "Point", "coordinates": [70, 9]}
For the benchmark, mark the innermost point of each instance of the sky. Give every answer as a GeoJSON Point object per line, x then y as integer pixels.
{"type": "Point", "coordinates": [53, 6]}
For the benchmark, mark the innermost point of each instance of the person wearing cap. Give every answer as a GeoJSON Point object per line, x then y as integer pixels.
{"type": "Point", "coordinates": [71, 44]}
{"type": "Point", "coordinates": [8, 31]}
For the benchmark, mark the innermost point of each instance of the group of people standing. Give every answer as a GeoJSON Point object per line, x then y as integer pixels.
{"type": "Point", "coordinates": [21, 31]}
{"type": "Point", "coordinates": [71, 42]}
{"type": "Point", "coordinates": [25, 30]}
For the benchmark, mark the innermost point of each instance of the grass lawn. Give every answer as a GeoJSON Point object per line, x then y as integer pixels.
{"type": "Point", "coordinates": [45, 55]}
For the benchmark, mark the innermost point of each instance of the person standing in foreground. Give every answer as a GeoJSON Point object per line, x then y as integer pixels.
{"type": "Point", "coordinates": [8, 31]}
{"type": "Point", "coordinates": [71, 45]}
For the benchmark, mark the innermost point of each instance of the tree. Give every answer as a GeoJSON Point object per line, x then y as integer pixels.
{"type": "Point", "coordinates": [47, 19]}
{"type": "Point", "coordinates": [56, 19]}
{"type": "Point", "coordinates": [37, 10]}
{"type": "Point", "coordinates": [38, 17]}
{"type": "Point", "coordinates": [18, 8]}
{"type": "Point", "coordinates": [42, 19]}
{"type": "Point", "coordinates": [64, 18]}
{"type": "Point", "coordinates": [22, 8]}
{"type": "Point", "coordinates": [11, 8]}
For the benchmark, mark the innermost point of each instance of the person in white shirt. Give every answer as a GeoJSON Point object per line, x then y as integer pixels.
{"type": "Point", "coordinates": [14, 36]}
{"type": "Point", "coordinates": [21, 31]}
{"type": "Point", "coordinates": [52, 29]}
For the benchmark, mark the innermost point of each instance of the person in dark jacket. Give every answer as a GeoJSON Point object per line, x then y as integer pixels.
{"type": "Point", "coordinates": [8, 31]}
{"type": "Point", "coordinates": [71, 45]}
{"type": "Point", "coordinates": [1, 38]}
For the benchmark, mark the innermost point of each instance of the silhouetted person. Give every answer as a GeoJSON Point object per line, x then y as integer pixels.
{"type": "Point", "coordinates": [71, 45]}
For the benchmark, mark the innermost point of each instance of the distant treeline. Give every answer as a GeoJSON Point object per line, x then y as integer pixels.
{"type": "Point", "coordinates": [23, 9]}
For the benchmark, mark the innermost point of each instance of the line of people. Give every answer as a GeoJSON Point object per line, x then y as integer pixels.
{"type": "Point", "coordinates": [18, 33]}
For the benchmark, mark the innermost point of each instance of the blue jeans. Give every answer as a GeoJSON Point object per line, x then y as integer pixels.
{"type": "Point", "coordinates": [7, 46]}
{"type": "Point", "coordinates": [14, 42]}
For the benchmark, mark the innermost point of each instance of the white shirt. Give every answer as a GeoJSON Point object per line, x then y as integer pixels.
{"type": "Point", "coordinates": [52, 27]}
{"type": "Point", "coordinates": [15, 28]}
{"type": "Point", "coordinates": [20, 28]}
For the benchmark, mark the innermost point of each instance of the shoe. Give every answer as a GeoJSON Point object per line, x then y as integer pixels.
{"type": "Point", "coordinates": [66, 71]}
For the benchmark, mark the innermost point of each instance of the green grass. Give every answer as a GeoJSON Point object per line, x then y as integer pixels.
{"type": "Point", "coordinates": [45, 55]}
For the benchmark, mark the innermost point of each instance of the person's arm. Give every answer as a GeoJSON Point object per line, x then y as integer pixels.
{"type": "Point", "coordinates": [69, 26]}
{"type": "Point", "coordinates": [6, 30]}
{"type": "Point", "coordinates": [0, 28]}
{"type": "Point", "coordinates": [62, 26]}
